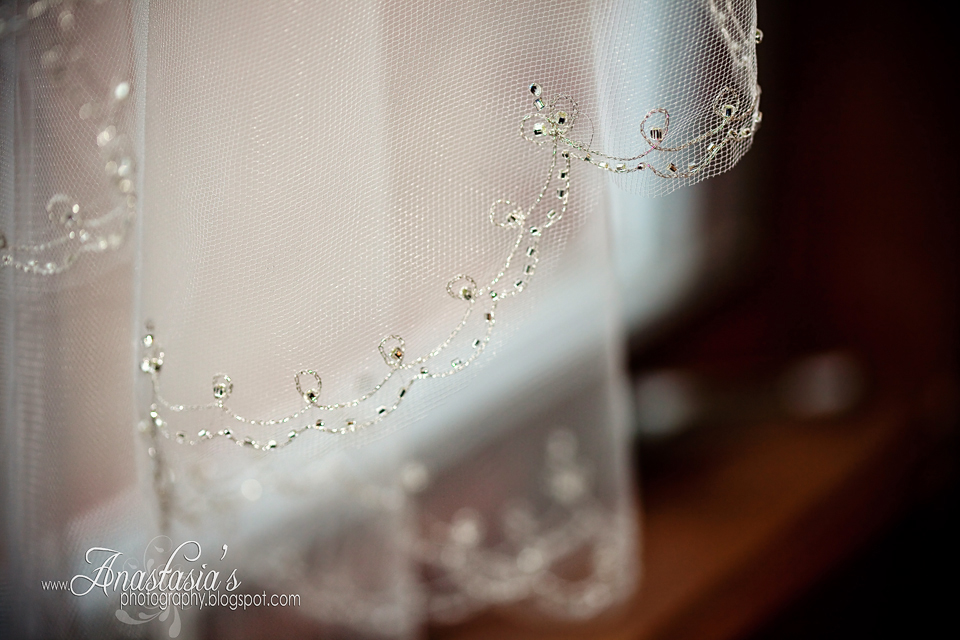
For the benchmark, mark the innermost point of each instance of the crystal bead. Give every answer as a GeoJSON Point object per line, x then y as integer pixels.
{"type": "Point", "coordinates": [758, 36]}
{"type": "Point", "coordinates": [66, 20]}
{"type": "Point", "coordinates": [381, 410]}
{"type": "Point", "coordinates": [528, 269]}
{"type": "Point", "coordinates": [534, 231]}
{"type": "Point", "coordinates": [222, 386]}
{"type": "Point", "coordinates": [518, 284]}
{"type": "Point", "coordinates": [565, 154]}
{"type": "Point", "coordinates": [562, 117]}
{"type": "Point", "coordinates": [641, 167]}
{"type": "Point", "coordinates": [531, 251]}
{"type": "Point", "coordinates": [466, 293]}
{"type": "Point", "coordinates": [552, 214]}
{"type": "Point", "coordinates": [312, 394]}
{"type": "Point", "coordinates": [587, 158]}
{"type": "Point", "coordinates": [603, 165]}
{"type": "Point", "coordinates": [105, 136]}
{"type": "Point", "coordinates": [455, 363]}
{"type": "Point", "coordinates": [424, 371]}
{"type": "Point", "coordinates": [36, 9]}
{"type": "Point", "coordinates": [318, 424]}
{"type": "Point", "coordinates": [397, 353]}
{"type": "Point", "coordinates": [403, 392]}
{"type": "Point", "coordinates": [538, 103]}
{"type": "Point", "coordinates": [63, 210]}
{"type": "Point", "coordinates": [293, 434]}
{"type": "Point", "coordinates": [203, 433]}
{"type": "Point", "coordinates": [672, 167]}
{"type": "Point", "coordinates": [564, 173]}
{"type": "Point", "coordinates": [476, 343]}
{"type": "Point", "coordinates": [535, 89]}
{"type": "Point", "coordinates": [758, 118]}
{"type": "Point", "coordinates": [538, 129]}
{"type": "Point", "coordinates": [489, 317]}
{"type": "Point", "coordinates": [656, 133]}
{"type": "Point", "coordinates": [561, 193]}
{"type": "Point", "coordinates": [181, 436]}
{"type": "Point", "coordinates": [728, 110]}
{"type": "Point", "coordinates": [620, 168]}
{"type": "Point", "coordinates": [272, 444]}
{"type": "Point", "coordinates": [227, 433]}
{"type": "Point", "coordinates": [121, 91]}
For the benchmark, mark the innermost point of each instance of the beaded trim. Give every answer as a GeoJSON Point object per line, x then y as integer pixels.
{"type": "Point", "coordinates": [81, 230]}
{"type": "Point", "coordinates": [551, 125]}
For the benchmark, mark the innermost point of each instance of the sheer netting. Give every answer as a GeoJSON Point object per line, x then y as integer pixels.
{"type": "Point", "coordinates": [326, 287]}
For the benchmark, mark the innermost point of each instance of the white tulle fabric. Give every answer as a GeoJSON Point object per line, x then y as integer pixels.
{"type": "Point", "coordinates": [279, 187]}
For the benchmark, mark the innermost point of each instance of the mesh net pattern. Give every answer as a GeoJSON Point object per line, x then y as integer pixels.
{"type": "Point", "coordinates": [282, 187]}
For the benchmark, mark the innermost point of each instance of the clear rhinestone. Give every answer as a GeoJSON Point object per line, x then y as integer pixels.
{"type": "Point", "coordinates": [728, 110]}
{"type": "Point", "coordinates": [561, 117]}
{"type": "Point", "coordinates": [538, 129]}
{"type": "Point", "coordinates": [561, 193]}
{"type": "Point", "coordinates": [476, 343]}
{"type": "Point", "coordinates": [310, 394]}
{"type": "Point", "coordinates": [656, 133]}
{"type": "Point", "coordinates": [381, 410]}
{"type": "Point", "coordinates": [672, 167]}
{"type": "Point", "coordinates": [534, 231]}
{"type": "Point", "coordinates": [563, 174]}
{"type": "Point", "coordinates": [293, 434]}
{"type": "Point", "coordinates": [552, 213]}
{"type": "Point", "coordinates": [489, 317]}
{"type": "Point", "coordinates": [538, 103]}
{"type": "Point", "coordinates": [455, 363]}
{"type": "Point", "coordinates": [397, 353]}
{"type": "Point", "coordinates": [535, 89]}
{"type": "Point", "coordinates": [758, 36]}
{"type": "Point", "coordinates": [222, 386]}
{"type": "Point", "coordinates": [148, 340]}
{"type": "Point", "coordinates": [620, 168]}
{"type": "Point", "coordinates": [272, 444]}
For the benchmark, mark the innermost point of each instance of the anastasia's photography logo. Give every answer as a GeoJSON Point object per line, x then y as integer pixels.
{"type": "Point", "coordinates": [166, 580]}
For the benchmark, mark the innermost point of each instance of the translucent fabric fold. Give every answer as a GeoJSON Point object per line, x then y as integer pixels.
{"type": "Point", "coordinates": [328, 288]}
